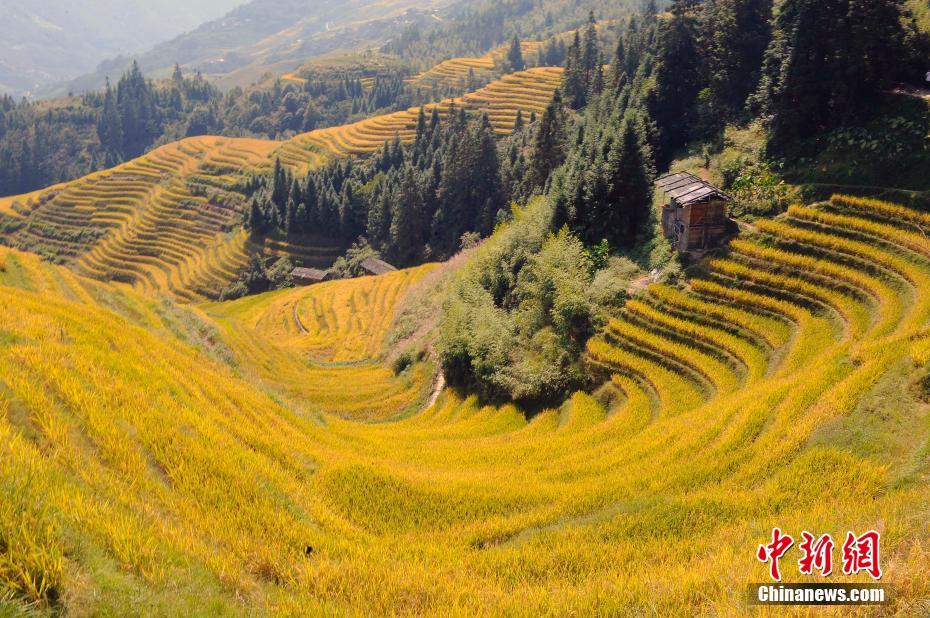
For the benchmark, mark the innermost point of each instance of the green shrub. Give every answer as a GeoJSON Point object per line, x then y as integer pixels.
{"type": "Point", "coordinates": [518, 315]}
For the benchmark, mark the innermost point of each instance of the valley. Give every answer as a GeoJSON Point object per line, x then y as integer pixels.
{"type": "Point", "coordinates": [633, 291]}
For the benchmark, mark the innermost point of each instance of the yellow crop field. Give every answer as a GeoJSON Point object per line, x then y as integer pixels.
{"type": "Point", "coordinates": [454, 71]}
{"type": "Point", "coordinates": [323, 344]}
{"type": "Point", "coordinates": [248, 457]}
{"type": "Point", "coordinates": [163, 222]}
{"type": "Point", "coordinates": [527, 91]}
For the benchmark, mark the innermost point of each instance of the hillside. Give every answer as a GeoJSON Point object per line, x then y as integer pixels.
{"type": "Point", "coordinates": [267, 36]}
{"type": "Point", "coordinates": [169, 220]}
{"type": "Point", "coordinates": [779, 387]}
{"type": "Point", "coordinates": [49, 42]}
{"type": "Point", "coordinates": [588, 389]}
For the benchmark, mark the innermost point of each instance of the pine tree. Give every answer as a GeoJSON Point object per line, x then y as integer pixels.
{"type": "Point", "coordinates": [631, 189]}
{"type": "Point", "coordinates": [409, 226]}
{"type": "Point", "coordinates": [280, 187]}
{"type": "Point", "coordinates": [256, 222]}
{"type": "Point", "coordinates": [591, 52]}
{"type": "Point", "coordinates": [678, 79]}
{"type": "Point", "coordinates": [617, 65]}
{"type": "Point", "coordinates": [549, 147]}
{"type": "Point", "coordinates": [290, 217]}
{"type": "Point", "coordinates": [819, 75]}
{"type": "Point", "coordinates": [736, 34]}
{"type": "Point", "coordinates": [574, 86]}
{"type": "Point", "coordinates": [515, 56]}
{"type": "Point", "coordinates": [110, 127]}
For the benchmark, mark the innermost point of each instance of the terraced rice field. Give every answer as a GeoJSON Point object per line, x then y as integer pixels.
{"type": "Point", "coordinates": [454, 71]}
{"type": "Point", "coordinates": [776, 389]}
{"type": "Point", "coordinates": [164, 222]}
{"type": "Point", "coordinates": [324, 344]}
{"type": "Point", "coordinates": [527, 91]}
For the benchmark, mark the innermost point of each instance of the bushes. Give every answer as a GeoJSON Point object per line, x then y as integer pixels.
{"type": "Point", "coordinates": [518, 315]}
{"type": "Point", "coordinates": [260, 277]}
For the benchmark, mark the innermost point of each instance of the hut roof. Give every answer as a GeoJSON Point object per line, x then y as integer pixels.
{"type": "Point", "coordinates": [375, 266]}
{"type": "Point", "coordinates": [684, 188]}
{"type": "Point", "coordinates": [309, 274]}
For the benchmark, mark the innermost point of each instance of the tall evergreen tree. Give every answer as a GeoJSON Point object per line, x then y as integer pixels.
{"type": "Point", "coordinates": [736, 35]}
{"type": "Point", "coordinates": [573, 79]}
{"type": "Point", "coordinates": [549, 148]}
{"type": "Point", "coordinates": [678, 79]}
{"type": "Point", "coordinates": [409, 225]}
{"type": "Point", "coordinates": [631, 189]}
{"type": "Point", "coordinates": [110, 127]}
{"type": "Point", "coordinates": [515, 56]}
{"type": "Point", "coordinates": [591, 59]}
{"type": "Point", "coordinates": [826, 65]}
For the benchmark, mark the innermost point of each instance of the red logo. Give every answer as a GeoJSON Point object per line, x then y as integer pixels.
{"type": "Point", "coordinates": [817, 554]}
{"type": "Point", "coordinates": [773, 552]}
{"type": "Point", "coordinates": [860, 553]}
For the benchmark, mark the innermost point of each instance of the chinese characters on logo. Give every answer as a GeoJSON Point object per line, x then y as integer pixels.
{"type": "Point", "coordinates": [859, 553]}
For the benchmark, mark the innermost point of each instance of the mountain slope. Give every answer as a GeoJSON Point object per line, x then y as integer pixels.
{"type": "Point", "coordinates": [51, 41]}
{"type": "Point", "coordinates": [169, 221]}
{"type": "Point", "coordinates": [265, 35]}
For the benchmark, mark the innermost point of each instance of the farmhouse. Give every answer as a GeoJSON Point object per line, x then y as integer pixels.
{"type": "Point", "coordinates": [374, 266]}
{"type": "Point", "coordinates": [309, 276]}
{"type": "Point", "coordinates": [695, 216]}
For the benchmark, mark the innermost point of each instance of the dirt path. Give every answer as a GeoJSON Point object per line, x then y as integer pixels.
{"type": "Point", "coordinates": [639, 284]}
{"type": "Point", "coordinates": [297, 321]}
{"type": "Point", "coordinates": [438, 385]}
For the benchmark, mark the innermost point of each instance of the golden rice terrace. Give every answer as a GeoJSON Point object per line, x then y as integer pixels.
{"type": "Point", "coordinates": [152, 454]}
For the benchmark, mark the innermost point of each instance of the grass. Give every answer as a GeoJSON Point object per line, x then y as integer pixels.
{"type": "Point", "coordinates": [777, 387]}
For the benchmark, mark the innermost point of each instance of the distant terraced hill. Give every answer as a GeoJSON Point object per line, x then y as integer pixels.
{"type": "Point", "coordinates": [454, 71]}
{"type": "Point", "coordinates": [169, 221]}
{"type": "Point", "coordinates": [527, 91]}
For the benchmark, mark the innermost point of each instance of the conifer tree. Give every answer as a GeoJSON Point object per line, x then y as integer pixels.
{"type": "Point", "coordinates": [574, 86]}
{"type": "Point", "coordinates": [631, 190]}
{"type": "Point", "coordinates": [736, 34]}
{"type": "Point", "coordinates": [591, 52]}
{"type": "Point", "coordinates": [409, 226]}
{"type": "Point", "coordinates": [550, 145]}
{"type": "Point", "coordinates": [678, 79]}
{"type": "Point", "coordinates": [110, 128]}
{"type": "Point", "coordinates": [818, 76]}
{"type": "Point", "coordinates": [515, 56]}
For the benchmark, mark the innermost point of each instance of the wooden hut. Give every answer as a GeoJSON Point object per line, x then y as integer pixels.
{"type": "Point", "coordinates": [695, 216]}
{"type": "Point", "coordinates": [309, 276]}
{"type": "Point", "coordinates": [374, 266]}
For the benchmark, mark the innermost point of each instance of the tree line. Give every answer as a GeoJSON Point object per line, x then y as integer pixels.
{"type": "Point", "coordinates": [411, 203]}
{"type": "Point", "coordinates": [42, 143]}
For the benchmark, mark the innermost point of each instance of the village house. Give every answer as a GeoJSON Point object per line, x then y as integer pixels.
{"type": "Point", "coordinates": [374, 266]}
{"type": "Point", "coordinates": [695, 215]}
{"type": "Point", "coordinates": [309, 276]}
